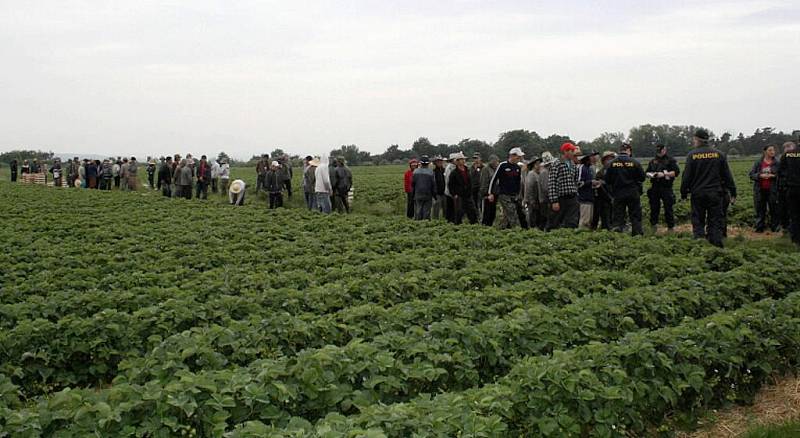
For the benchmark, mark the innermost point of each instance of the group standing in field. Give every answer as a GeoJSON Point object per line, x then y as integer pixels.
{"type": "Point", "coordinates": [590, 190]}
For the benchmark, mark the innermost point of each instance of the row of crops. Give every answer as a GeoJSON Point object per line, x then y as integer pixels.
{"type": "Point", "coordinates": [123, 314]}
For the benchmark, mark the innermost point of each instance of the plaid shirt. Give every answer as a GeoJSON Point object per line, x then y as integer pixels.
{"type": "Point", "coordinates": [562, 181]}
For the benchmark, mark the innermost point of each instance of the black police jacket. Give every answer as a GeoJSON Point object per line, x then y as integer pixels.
{"type": "Point", "coordinates": [663, 164]}
{"type": "Point", "coordinates": [707, 171]}
{"type": "Point", "coordinates": [789, 170]}
{"type": "Point", "coordinates": [624, 177]}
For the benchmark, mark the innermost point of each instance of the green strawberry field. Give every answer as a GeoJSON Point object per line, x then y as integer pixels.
{"type": "Point", "coordinates": [128, 314]}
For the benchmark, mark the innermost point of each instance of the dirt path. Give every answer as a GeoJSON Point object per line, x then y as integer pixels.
{"type": "Point", "coordinates": [774, 404]}
{"type": "Point", "coordinates": [747, 233]}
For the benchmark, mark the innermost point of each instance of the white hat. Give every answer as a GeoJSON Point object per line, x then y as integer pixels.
{"type": "Point", "coordinates": [547, 158]}
{"type": "Point", "coordinates": [275, 163]}
{"type": "Point", "coordinates": [458, 156]}
{"type": "Point", "coordinates": [453, 155]}
{"type": "Point", "coordinates": [516, 151]}
{"type": "Point", "coordinates": [236, 187]}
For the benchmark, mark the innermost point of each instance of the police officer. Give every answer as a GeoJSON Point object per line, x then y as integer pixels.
{"type": "Point", "coordinates": [707, 176]}
{"type": "Point", "coordinates": [662, 171]}
{"type": "Point", "coordinates": [789, 180]}
{"type": "Point", "coordinates": [624, 178]}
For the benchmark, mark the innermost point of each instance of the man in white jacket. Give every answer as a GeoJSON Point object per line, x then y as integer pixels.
{"type": "Point", "coordinates": [322, 186]}
{"type": "Point", "coordinates": [214, 175]}
{"type": "Point", "coordinates": [236, 192]}
{"type": "Point", "coordinates": [224, 175]}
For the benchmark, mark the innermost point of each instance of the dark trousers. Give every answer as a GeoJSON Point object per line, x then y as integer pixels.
{"type": "Point", "coordinates": [707, 217]}
{"type": "Point", "coordinates": [535, 218]}
{"type": "Point", "coordinates": [311, 200]}
{"type": "Point", "coordinates": [793, 207]}
{"type": "Point", "coordinates": [105, 184]}
{"type": "Point", "coordinates": [463, 206]}
{"type": "Point", "coordinates": [340, 202]}
{"type": "Point", "coordinates": [568, 214]}
{"type": "Point", "coordinates": [449, 209]}
{"type": "Point", "coordinates": [545, 211]}
{"type": "Point", "coordinates": [658, 196]}
{"type": "Point", "coordinates": [13, 176]}
{"type": "Point", "coordinates": [783, 208]}
{"type": "Point", "coordinates": [422, 209]}
{"type": "Point", "coordinates": [288, 185]}
{"type": "Point", "coordinates": [214, 185]}
{"type": "Point", "coordinates": [488, 212]}
{"type": "Point", "coordinates": [632, 206]}
{"type": "Point", "coordinates": [201, 190]}
{"type": "Point", "coordinates": [165, 190]}
{"type": "Point", "coordinates": [259, 181]}
{"type": "Point", "coordinates": [151, 181]}
{"type": "Point", "coordinates": [602, 215]}
{"type": "Point", "coordinates": [410, 205]}
{"type": "Point", "coordinates": [275, 200]}
{"type": "Point", "coordinates": [766, 201]}
{"type": "Point", "coordinates": [116, 182]}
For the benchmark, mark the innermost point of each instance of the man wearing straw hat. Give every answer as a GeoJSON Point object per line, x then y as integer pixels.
{"type": "Point", "coordinates": [236, 192]}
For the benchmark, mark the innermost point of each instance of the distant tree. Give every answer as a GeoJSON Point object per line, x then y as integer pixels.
{"type": "Point", "coordinates": [24, 154]}
{"type": "Point", "coordinates": [423, 146]}
{"type": "Point", "coordinates": [607, 141]}
{"type": "Point", "coordinates": [472, 146]}
{"type": "Point", "coordinates": [223, 156]}
{"type": "Point", "coordinates": [530, 142]}
{"type": "Point", "coordinates": [351, 154]}
{"type": "Point", "coordinates": [278, 152]}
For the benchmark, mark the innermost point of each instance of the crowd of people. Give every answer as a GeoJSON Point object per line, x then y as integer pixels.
{"type": "Point", "coordinates": [579, 189]}
{"type": "Point", "coordinates": [590, 190]}
{"type": "Point", "coordinates": [326, 188]}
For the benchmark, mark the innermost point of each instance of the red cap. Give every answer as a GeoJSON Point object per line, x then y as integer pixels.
{"type": "Point", "coordinates": [412, 161]}
{"type": "Point", "coordinates": [568, 147]}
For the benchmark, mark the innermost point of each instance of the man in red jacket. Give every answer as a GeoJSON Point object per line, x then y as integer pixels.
{"type": "Point", "coordinates": [412, 164]}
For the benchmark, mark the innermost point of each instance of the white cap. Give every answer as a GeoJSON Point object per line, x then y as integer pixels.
{"type": "Point", "coordinates": [275, 163]}
{"type": "Point", "coordinates": [457, 156]}
{"type": "Point", "coordinates": [516, 151]}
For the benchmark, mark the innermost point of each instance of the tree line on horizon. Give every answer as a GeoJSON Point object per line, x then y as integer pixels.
{"type": "Point", "coordinates": [644, 138]}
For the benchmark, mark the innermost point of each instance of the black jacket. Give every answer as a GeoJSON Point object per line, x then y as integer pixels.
{"type": "Point", "coordinates": [789, 170]}
{"type": "Point", "coordinates": [624, 177]}
{"type": "Point", "coordinates": [663, 164]}
{"type": "Point", "coordinates": [164, 175]}
{"type": "Point", "coordinates": [457, 185]}
{"type": "Point", "coordinates": [707, 171]}
{"type": "Point", "coordinates": [438, 175]}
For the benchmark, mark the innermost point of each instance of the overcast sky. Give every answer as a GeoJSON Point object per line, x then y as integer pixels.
{"type": "Point", "coordinates": [151, 77]}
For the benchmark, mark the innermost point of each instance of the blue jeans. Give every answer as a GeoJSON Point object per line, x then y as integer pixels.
{"type": "Point", "coordinates": [311, 200]}
{"type": "Point", "coordinates": [324, 202]}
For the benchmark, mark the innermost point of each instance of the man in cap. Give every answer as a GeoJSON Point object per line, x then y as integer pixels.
{"type": "Point", "coordinates": [706, 177]}
{"type": "Point", "coordinates": [412, 165]}
{"type": "Point", "coordinates": [586, 186]}
{"type": "Point", "coordinates": [165, 177]}
{"type": "Point", "coordinates": [545, 212]}
{"type": "Point", "coordinates": [563, 190]}
{"type": "Point", "coordinates": [342, 185]}
{"type": "Point", "coordinates": [506, 187]}
{"type": "Point", "coordinates": [106, 174]}
{"type": "Point", "coordinates": [235, 192]}
{"type": "Point", "coordinates": [261, 169]}
{"type": "Point", "coordinates": [57, 172]}
{"type": "Point", "coordinates": [475, 171]}
{"type": "Point", "coordinates": [13, 167]}
{"type": "Point", "coordinates": [224, 175]}
{"type": "Point", "coordinates": [132, 172]}
{"type": "Point", "coordinates": [151, 172]}
{"type": "Point", "coordinates": [438, 176]}
{"type": "Point", "coordinates": [624, 178]}
{"type": "Point", "coordinates": [308, 182]}
{"type": "Point", "coordinates": [273, 185]}
{"type": "Point", "coordinates": [215, 169]}
{"type": "Point", "coordinates": [423, 184]}
{"type": "Point", "coordinates": [287, 174]}
{"type": "Point", "coordinates": [460, 187]}
{"type": "Point", "coordinates": [532, 192]}
{"type": "Point", "coordinates": [449, 208]}
{"type": "Point", "coordinates": [488, 210]}
{"type": "Point", "coordinates": [662, 171]}
{"type": "Point", "coordinates": [603, 201]}
{"type": "Point", "coordinates": [73, 167]}
{"type": "Point", "coordinates": [789, 181]}
{"type": "Point", "coordinates": [203, 178]}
